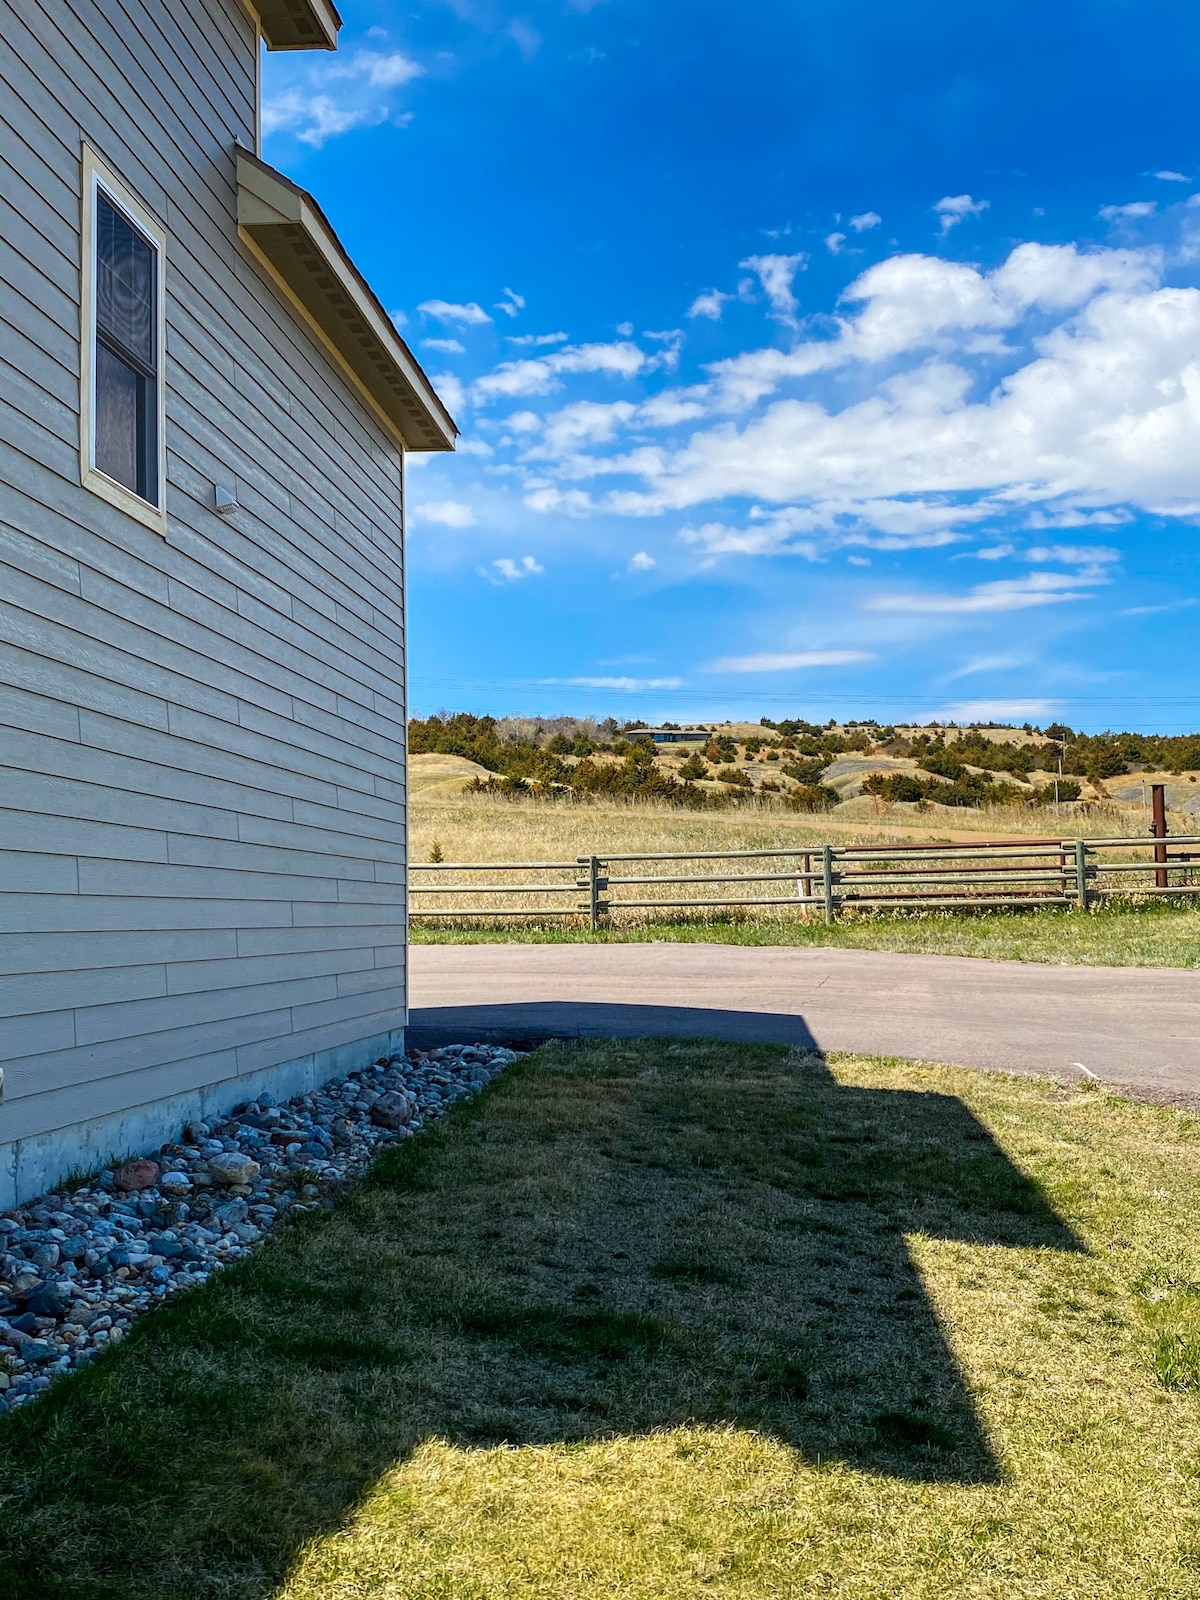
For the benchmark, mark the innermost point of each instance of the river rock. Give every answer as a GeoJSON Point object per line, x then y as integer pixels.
{"type": "Point", "coordinates": [390, 1111]}
{"type": "Point", "coordinates": [136, 1175]}
{"type": "Point", "coordinates": [230, 1168]}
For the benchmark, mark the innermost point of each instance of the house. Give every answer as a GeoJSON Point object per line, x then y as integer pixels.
{"type": "Point", "coordinates": [669, 735]}
{"type": "Point", "coordinates": [204, 414]}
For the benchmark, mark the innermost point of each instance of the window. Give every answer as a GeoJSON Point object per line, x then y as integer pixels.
{"type": "Point", "coordinates": [122, 402]}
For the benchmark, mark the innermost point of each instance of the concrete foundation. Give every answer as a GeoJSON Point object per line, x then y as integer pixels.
{"type": "Point", "coordinates": [33, 1166]}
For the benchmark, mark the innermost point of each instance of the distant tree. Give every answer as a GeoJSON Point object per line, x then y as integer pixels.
{"type": "Point", "coordinates": [812, 797]}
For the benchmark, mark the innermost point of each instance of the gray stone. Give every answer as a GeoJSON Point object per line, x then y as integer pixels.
{"type": "Point", "coordinates": [232, 1168]}
{"type": "Point", "coordinates": [391, 1111]}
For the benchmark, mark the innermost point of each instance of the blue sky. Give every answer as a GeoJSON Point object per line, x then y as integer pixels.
{"type": "Point", "coordinates": [833, 358]}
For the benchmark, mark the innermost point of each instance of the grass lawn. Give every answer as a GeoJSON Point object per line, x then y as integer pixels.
{"type": "Point", "coordinates": [1153, 935]}
{"type": "Point", "coordinates": [666, 1320]}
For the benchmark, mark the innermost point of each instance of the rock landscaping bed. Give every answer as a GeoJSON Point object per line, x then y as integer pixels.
{"type": "Point", "coordinates": [77, 1267]}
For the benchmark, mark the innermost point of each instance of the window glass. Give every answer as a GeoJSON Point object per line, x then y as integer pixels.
{"type": "Point", "coordinates": [116, 449]}
{"type": "Point", "coordinates": [125, 353]}
{"type": "Point", "coordinates": [124, 285]}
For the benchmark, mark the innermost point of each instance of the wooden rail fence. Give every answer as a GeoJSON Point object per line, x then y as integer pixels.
{"type": "Point", "coordinates": [827, 878]}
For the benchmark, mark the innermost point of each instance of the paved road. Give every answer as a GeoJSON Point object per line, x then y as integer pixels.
{"type": "Point", "coordinates": [1133, 1026]}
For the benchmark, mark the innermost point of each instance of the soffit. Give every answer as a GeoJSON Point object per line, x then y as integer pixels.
{"type": "Point", "coordinates": [289, 232]}
{"type": "Point", "coordinates": [298, 24]}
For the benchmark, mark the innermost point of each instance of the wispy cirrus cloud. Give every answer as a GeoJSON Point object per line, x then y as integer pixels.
{"type": "Point", "coordinates": [622, 685]}
{"type": "Point", "coordinates": [1005, 594]}
{"type": "Point", "coordinates": [788, 661]}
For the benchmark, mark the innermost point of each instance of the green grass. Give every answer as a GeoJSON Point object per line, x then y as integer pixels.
{"type": "Point", "coordinates": [1154, 935]}
{"type": "Point", "coordinates": [667, 1319]}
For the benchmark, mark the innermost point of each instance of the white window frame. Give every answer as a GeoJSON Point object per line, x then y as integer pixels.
{"type": "Point", "coordinates": [98, 179]}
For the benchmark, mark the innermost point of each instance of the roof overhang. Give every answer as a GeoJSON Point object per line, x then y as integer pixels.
{"type": "Point", "coordinates": [287, 231]}
{"type": "Point", "coordinates": [298, 24]}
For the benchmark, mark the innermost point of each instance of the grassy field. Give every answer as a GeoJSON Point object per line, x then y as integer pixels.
{"type": "Point", "coordinates": [1155, 935]}
{"type": "Point", "coordinates": [668, 1320]}
{"type": "Point", "coordinates": [481, 828]}
{"type": "Point", "coordinates": [468, 827]}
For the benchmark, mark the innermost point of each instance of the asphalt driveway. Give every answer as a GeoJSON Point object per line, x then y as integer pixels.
{"type": "Point", "coordinates": [1137, 1027]}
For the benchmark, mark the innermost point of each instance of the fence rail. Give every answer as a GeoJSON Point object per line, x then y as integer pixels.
{"type": "Point", "coordinates": [827, 878]}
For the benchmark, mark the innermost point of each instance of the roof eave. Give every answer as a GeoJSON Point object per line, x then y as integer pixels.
{"type": "Point", "coordinates": [298, 24]}
{"type": "Point", "coordinates": [291, 236]}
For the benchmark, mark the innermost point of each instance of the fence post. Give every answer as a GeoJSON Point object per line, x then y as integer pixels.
{"type": "Point", "coordinates": [596, 907]}
{"type": "Point", "coordinates": [1081, 874]}
{"type": "Point", "coordinates": [1158, 828]}
{"type": "Point", "coordinates": [827, 877]}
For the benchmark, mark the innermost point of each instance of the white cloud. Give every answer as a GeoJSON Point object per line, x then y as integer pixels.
{"type": "Point", "coordinates": [448, 347]}
{"type": "Point", "coordinates": [708, 305]}
{"type": "Point", "coordinates": [865, 220]}
{"type": "Point", "coordinates": [450, 513]}
{"type": "Point", "coordinates": [381, 71]}
{"type": "Point", "coordinates": [585, 422]}
{"type": "Point", "coordinates": [511, 304]}
{"type": "Point", "coordinates": [788, 661]}
{"type": "Point", "coordinates": [470, 315]}
{"type": "Point", "coordinates": [995, 552]}
{"type": "Point", "coordinates": [339, 95]}
{"type": "Point", "coordinates": [450, 391]}
{"type": "Point", "coordinates": [776, 273]}
{"type": "Point", "coordinates": [1135, 209]}
{"type": "Point", "coordinates": [955, 208]}
{"type": "Point", "coordinates": [1171, 177]}
{"type": "Point", "coordinates": [505, 570]}
{"type": "Point", "coordinates": [989, 664]}
{"type": "Point", "coordinates": [541, 374]}
{"type": "Point", "coordinates": [315, 117]}
{"type": "Point", "coordinates": [642, 561]}
{"type": "Point", "coordinates": [1084, 555]}
{"type": "Point", "coordinates": [1007, 594]}
{"type": "Point", "coordinates": [535, 341]}
{"type": "Point", "coordinates": [1114, 213]}
{"type": "Point", "coordinates": [834, 243]}
{"type": "Point", "coordinates": [1107, 411]}
{"type": "Point", "coordinates": [912, 302]}
{"type": "Point", "coordinates": [631, 685]}
{"type": "Point", "coordinates": [1153, 611]}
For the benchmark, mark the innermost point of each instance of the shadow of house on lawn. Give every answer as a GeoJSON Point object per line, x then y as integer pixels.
{"type": "Point", "coordinates": [618, 1238]}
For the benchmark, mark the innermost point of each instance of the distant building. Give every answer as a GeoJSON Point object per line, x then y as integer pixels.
{"type": "Point", "coordinates": [206, 412]}
{"type": "Point", "coordinates": [669, 735]}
